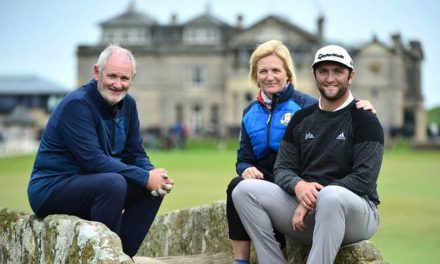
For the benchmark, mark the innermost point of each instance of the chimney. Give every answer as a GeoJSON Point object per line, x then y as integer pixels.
{"type": "Point", "coordinates": [173, 19]}
{"type": "Point", "coordinates": [131, 7]}
{"type": "Point", "coordinates": [397, 43]}
{"type": "Point", "coordinates": [416, 49]}
{"type": "Point", "coordinates": [320, 33]}
{"type": "Point", "coordinates": [240, 22]}
{"type": "Point", "coordinates": [396, 38]}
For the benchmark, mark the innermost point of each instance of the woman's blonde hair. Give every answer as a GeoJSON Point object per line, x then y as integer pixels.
{"type": "Point", "coordinates": [267, 48]}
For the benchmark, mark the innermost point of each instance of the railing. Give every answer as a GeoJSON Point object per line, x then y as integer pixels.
{"type": "Point", "coordinates": [18, 147]}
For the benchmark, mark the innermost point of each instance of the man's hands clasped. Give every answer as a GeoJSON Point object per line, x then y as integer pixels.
{"type": "Point", "coordinates": [159, 183]}
{"type": "Point", "coordinates": [307, 194]}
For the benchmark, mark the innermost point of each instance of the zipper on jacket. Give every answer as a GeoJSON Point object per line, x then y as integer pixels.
{"type": "Point", "coordinates": [269, 119]}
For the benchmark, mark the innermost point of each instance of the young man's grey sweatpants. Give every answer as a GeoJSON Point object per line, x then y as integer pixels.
{"type": "Point", "coordinates": [341, 217]}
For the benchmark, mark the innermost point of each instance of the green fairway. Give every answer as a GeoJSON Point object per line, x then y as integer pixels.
{"type": "Point", "coordinates": [14, 177]}
{"type": "Point", "coordinates": [408, 185]}
{"type": "Point", "coordinates": [200, 176]}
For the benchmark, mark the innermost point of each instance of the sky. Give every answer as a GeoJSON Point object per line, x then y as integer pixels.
{"type": "Point", "coordinates": [40, 38]}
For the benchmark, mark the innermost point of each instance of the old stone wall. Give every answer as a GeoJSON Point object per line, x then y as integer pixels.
{"type": "Point", "coordinates": [194, 235]}
{"type": "Point", "coordinates": [192, 231]}
{"type": "Point", "coordinates": [56, 239]}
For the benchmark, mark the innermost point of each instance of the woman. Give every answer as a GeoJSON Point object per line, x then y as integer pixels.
{"type": "Point", "coordinates": [263, 124]}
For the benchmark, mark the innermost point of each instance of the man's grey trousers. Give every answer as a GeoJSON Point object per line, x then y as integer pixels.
{"type": "Point", "coordinates": [341, 217]}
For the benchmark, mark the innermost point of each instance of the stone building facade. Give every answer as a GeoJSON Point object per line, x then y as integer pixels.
{"type": "Point", "coordinates": [195, 73]}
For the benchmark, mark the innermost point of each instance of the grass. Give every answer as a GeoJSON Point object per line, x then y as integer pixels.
{"type": "Point", "coordinates": [200, 176]}
{"type": "Point", "coordinates": [14, 176]}
{"type": "Point", "coordinates": [410, 210]}
{"type": "Point", "coordinates": [408, 186]}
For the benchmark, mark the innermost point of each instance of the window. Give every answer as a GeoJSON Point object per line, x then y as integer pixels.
{"type": "Point", "coordinates": [52, 103]}
{"type": "Point", "coordinates": [236, 107]}
{"type": "Point", "coordinates": [179, 113]}
{"type": "Point", "coordinates": [138, 36]}
{"type": "Point", "coordinates": [197, 119]}
{"type": "Point", "coordinates": [118, 35]}
{"type": "Point", "coordinates": [201, 36]}
{"type": "Point", "coordinates": [125, 36]}
{"type": "Point", "coordinates": [214, 122]}
{"type": "Point", "coordinates": [215, 115]}
{"type": "Point", "coordinates": [142, 35]}
{"type": "Point", "coordinates": [197, 76]}
{"type": "Point", "coordinates": [271, 33]}
{"type": "Point", "coordinates": [244, 56]}
{"type": "Point", "coordinates": [108, 36]}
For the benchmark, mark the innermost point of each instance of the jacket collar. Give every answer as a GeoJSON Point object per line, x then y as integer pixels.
{"type": "Point", "coordinates": [279, 97]}
{"type": "Point", "coordinates": [286, 94]}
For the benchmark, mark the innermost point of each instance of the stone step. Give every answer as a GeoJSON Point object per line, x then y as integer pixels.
{"type": "Point", "coordinates": [215, 258]}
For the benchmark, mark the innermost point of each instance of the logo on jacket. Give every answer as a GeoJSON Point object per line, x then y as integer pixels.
{"type": "Point", "coordinates": [309, 136]}
{"type": "Point", "coordinates": [341, 136]}
{"type": "Point", "coordinates": [285, 119]}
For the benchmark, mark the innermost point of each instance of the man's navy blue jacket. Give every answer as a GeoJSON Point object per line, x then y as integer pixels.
{"type": "Point", "coordinates": [262, 129]}
{"type": "Point", "coordinates": [87, 135]}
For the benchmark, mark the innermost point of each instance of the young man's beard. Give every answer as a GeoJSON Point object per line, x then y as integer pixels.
{"type": "Point", "coordinates": [341, 92]}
